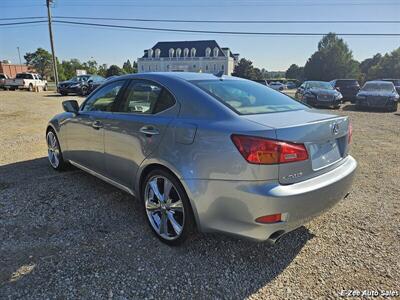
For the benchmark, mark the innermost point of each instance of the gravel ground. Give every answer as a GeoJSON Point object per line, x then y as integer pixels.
{"type": "Point", "coordinates": [70, 235]}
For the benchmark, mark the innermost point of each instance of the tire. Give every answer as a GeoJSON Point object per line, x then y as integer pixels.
{"type": "Point", "coordinates": [54, 152]}
{"type": "Point", "coordinates": [175, 211]}
{"type": "Point", "coordinates": [336, 106]}
{"type": "Point", "coordinates": [30, 87]}
{"type": "Point", "coordinates": [84, 90]}
{"type": "Point", "coordinates": [64, 94]}
{"type": "Point", "coordinates": [45, 88]}
{"type": "Point", "coordinates": [394, 108]}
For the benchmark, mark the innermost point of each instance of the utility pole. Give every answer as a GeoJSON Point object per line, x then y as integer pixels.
{"type": "Point", "coordinates": [48, 2]}
{"type": "Point", "coordinates": [19, 55]}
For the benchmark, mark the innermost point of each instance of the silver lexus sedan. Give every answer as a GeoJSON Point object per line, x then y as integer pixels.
{"type": "Point", "coordinates": [208, 153]}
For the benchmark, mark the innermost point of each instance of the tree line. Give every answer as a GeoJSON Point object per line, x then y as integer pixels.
{"type": "Point", "coordinates": [333, 59]}
{"type": "Point", "coordinates": [41, 61]}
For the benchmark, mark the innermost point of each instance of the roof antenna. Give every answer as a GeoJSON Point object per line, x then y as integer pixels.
{"type": "Point", "coordinates": [219, 74]}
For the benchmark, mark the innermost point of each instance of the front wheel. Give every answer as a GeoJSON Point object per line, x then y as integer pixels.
{"type": "Point", "coordinates": [84, 91]}
{"type": "Point", "coordinates": [54, 151]}
{"type": "Point", "coordinates": [167, 207]}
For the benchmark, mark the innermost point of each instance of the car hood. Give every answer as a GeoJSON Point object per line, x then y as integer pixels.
{"type": "Point", "coordinates": [324, 92]}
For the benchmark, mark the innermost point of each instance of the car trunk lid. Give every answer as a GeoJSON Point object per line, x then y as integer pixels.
{"type": "Point", "coordinates": [325, 137]}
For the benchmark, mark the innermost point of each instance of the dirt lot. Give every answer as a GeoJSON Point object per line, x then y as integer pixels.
{"type": "Point", "coordinates": [69, 235]}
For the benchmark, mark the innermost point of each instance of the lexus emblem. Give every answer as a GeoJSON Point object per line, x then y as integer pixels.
{"type": "Point", "coordinates": [335, 128]}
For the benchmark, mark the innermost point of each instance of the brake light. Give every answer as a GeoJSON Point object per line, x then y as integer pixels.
{"type": "Point", "coordinates": [264, 151]}
{"type": "Point", "coordinates": [350, 133]}
{"type": "Point", "coordinates": [269, 219]}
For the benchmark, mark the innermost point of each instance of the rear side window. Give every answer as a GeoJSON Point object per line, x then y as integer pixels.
{"type": "Point", "coordinates": [145, 97]}
{"type": "Point", "coordinates": [247, 97]}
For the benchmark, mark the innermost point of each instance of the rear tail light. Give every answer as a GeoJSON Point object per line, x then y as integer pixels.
{"type": "Point", "coordinates": [350, 133]}
{"type": "Point", "coordinates": [264, 151]}
{"type": "Point", "coordinates": [269, 219]}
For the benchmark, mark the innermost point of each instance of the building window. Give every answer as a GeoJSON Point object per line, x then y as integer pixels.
{"type": "Point", "coordinates": [178, 52]}
{"type": "Point", "coordinates": [193, 52]}
{"type": "Point", "coordinates": [142, 68]}
{"type": "Point", "coordinates": [158, 53]}
{"type": "Point", "coordinates": [149, 68]}
{"type": "Point", "coordinates": [208, 52]}
{"type": "Point", "coordinates": [171, 53]}
{"type": "Point", "coordinates": [216, 51]}
{"type": "Point", "coordinates": [206, 67]}
{"type": "Point", "coordinates": [215, 67]}
{"type": "Point", "coordinates": [167, 67]}
{"type": "Point", "coordinates": [194, 66]}
{"type": "Point", "coordinates": [186, 52]}
{"type": "Point", "coordinates": [222, 67]}
{"type": "Point", "coordinates": [150, 53]}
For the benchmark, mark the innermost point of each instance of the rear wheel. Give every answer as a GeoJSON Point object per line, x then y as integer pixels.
{"type": "Point", "coordinates": [54, 151]}
{"type": "Point", "coordinates": [30, 87]}
{"type": "Point", "coordinates": [167, 207]}
{"type": "Point", "coordinates": [45, 88]}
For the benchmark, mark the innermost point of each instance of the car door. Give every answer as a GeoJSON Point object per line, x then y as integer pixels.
{"type": "Point", "coordinates": [85, 132]}
{"type": "Point", "coordinates": [136, 128]}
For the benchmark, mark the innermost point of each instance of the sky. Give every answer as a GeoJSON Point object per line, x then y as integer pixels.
{"type": "Point", "coordinates": [114, 46]}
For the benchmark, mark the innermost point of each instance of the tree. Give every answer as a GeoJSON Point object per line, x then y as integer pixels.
{"type": "Point", "coordinates": [245, 69]}
{"type": "Point", "coordinates": [295, 72]}
{"type": "Point", "coordinates": [90, 66]}
{"type": "Point", "coordinates": [127, 67]}
{"type": "Point", "coordinates": [387, 67]}
{"type": "Point", "coordinates": [332, 60]}
{"type": "Point", "coordinates": [102, 71]}
{"type": "Point", "coordinates": [41, 60]}
{"type": "Point", "coordinates": [114, 70]}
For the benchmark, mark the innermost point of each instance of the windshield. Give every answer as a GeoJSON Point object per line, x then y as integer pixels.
{"type": "Point", "coordinates": [378, 87]}
{"type": "Point", "coordinates": [80, 78]}
{"type": "Point", "coordinates": [247, 97]}
{"type": "Point", "coordinates": [320, 85]}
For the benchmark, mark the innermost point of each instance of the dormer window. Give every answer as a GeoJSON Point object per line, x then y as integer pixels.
{"type": "Point", "coordinates": [185, 52]}
{"type": "Point", "coordinates": [150, 53]}
{"type": "Point", "coordinates": [158, 53]}
{"type": "Point", "coordinates": [216, 51]}
{"type": "Point", "coordinates": [208, 52]}
{"type": "Point", "coordinates": [171, 53]}
{"type": "Point", "coordinates": [193, 52]}
{"type": "Point", "coordinates": [178, 52]}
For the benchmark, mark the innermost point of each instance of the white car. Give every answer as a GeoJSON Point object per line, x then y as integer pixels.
{"type": "Point", "coordinates": [27, 81]}
{"type": "Point", "coordinates": [278, 86]}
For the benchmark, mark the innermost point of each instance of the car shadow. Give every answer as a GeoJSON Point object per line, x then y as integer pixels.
{"type": "Point", "coordinates": [72, 231]}
{"type": "Point", "coordinates": [352, 107]}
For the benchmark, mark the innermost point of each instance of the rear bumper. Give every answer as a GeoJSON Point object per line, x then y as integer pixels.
{"type": "Point", "coordinates": [232, 206]}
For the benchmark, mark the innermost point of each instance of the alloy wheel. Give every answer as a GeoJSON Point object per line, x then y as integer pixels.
{"type": "Point", "coordinates": [164, 207]}
{"type": "Point", "coordinates": [53, 150]}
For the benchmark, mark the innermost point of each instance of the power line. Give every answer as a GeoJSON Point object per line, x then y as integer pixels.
{"type": "Point", "coordinates": [22, 23]}
{"type": "Point", "coordinates": [236, 21]}
{"type": "Point", "coordinates": [22, 18]}
{"type": "Point", "coordinates": [221, 32]}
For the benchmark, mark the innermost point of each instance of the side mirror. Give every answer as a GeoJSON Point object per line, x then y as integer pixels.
{"type": "Point", "coordinates": [71, 106]}
{"type": "Point", "coordinates": [90, 81]}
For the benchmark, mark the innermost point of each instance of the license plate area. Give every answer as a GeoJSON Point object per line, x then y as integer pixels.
{"type": "Point", "coordinates": [324, 154]}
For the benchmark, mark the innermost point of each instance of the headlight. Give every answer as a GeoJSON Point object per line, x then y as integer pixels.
{"type": "Point", "coordinates": [75, 85]}
{"type": "Point", "coordinates": [339, 96]}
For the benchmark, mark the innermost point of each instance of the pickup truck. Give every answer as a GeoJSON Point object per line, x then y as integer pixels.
{"type": "Point", "coordinates": [3, 78]}
{"type": "Point", "coordinates": [27, 81]}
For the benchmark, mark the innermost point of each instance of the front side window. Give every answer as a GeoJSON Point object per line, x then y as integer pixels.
{"type": "Point", "coordinates": [247, 97]}
{"type": "Point", "coordinates": [144, 97]}
{"type": "Point", "coordinates": [104, 98]}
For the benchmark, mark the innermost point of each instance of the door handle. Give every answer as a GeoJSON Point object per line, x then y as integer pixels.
{"type": "Point", "coordinates": [97, 125]}
{"type": "Point", "coordinates": [149, 130]}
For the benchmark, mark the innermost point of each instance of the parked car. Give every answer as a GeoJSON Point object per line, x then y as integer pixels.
{"type": "Point", "coordinates": [81, 85]}
{"type": "Point", "coordinates": [347, 87]}
{"type": "Point", "coordinates": [216, 153]}
{"type": "Point", "coordinates": [378, 94]}
{"type": "Point", "coordinates": [396, 83]}
{"type": "Point", "coordinates": [3, 78]}
{"type": "Point", "coordinates": [291, 85]}
{"type": "Point", "coordinates": [278, 86]}
{"type": "Point", "coordinates": [319, 93]}
{"type": "Point", "coordinates": [26, 81]}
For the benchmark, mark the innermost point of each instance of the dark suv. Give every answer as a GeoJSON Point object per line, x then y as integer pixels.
{"type": "Point", "coordinates": [347, 87]}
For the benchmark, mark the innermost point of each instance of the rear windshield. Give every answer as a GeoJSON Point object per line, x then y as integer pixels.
{"type": "Point", "coordinates": [246, 97]}
{"type": "Point", "coordinates": [24, 76]}
{"type": "Point", "coordinates": [378, 87]}
{"type": "Point", "coordinates": [349, 82]}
